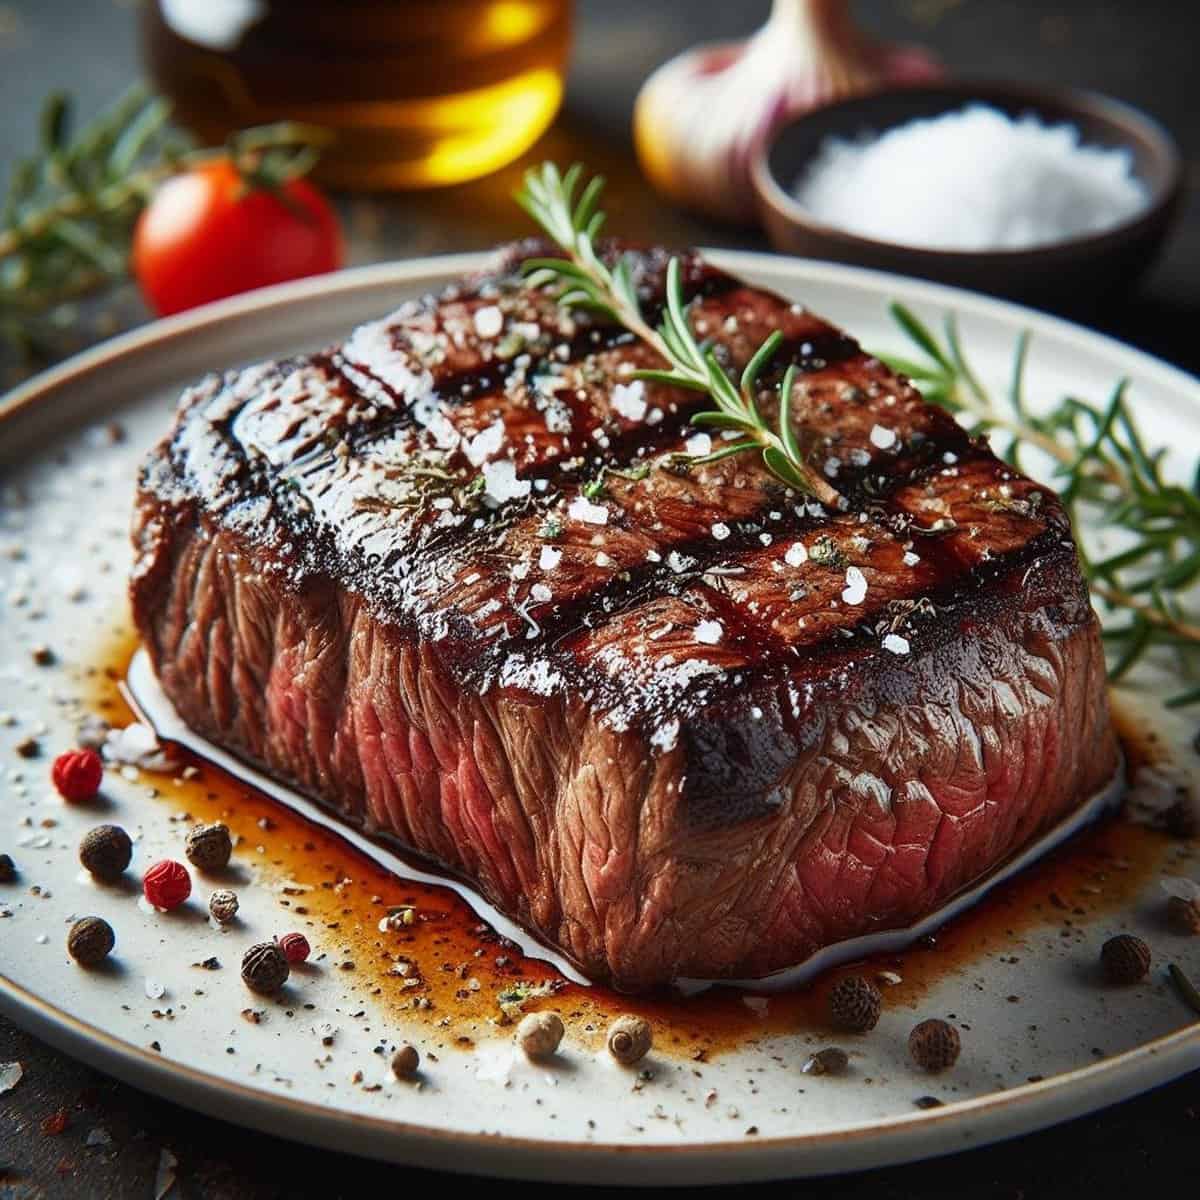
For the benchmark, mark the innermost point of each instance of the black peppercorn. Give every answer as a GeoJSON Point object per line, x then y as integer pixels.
{"type": "Point", "coordinates": [405, 1062]}
{"type": "Point", "coordinates": [106, 851]}
{"type": "Point", "coordinates": [8, 869]}
{"type": "Point", "coordinates": [1125, 958]}
{"type": "Point", "coordinates": [90, 940]}
{"type": "Point", "coordinates": [934, 1045]}
{"type": "Point", "coordinates": [855, 1004]}
{"type": "Point", "coordinates": [209, 846]}
{"type": "Point", "coordinates": [265, 968]}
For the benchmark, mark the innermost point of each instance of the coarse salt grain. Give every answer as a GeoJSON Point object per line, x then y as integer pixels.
{"type": "Point", "coordinates": [500, 482]}
{"type": "Point", "coordinates": [484, 445]}
{"type": "Point", "coordinates": [911, 559]}
{"type": "Point", "coordinates": [665, 736]}
{"type": "Point", "coordinates": [582, 509]}
{"type": "Point", "coordinates": [855, 591]}
{"type": "Point", "coordinates": [698, 445]}
{"type": "Point", "coordinates": [882, 437]}
{"type": "Point", "coordinates": [973, 179]}
{"type": "Point", "coordinates": [720, 531]}
{"type": "Point", "coordinates": [550, 557]}
{"type": "Point", "coordinates": [896, 644]}
{"type": "Point", "coordinates": [488, 321]}
{"type": "Point", "coordinates": [708, 633]}
{"type": "Point", "coordinates": [629, 400]}
{"type": "Point", "coordinates": [797, 555]}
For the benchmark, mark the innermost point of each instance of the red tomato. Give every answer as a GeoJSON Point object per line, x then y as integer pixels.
{"type": "Point", "coordinates": [204, 236]}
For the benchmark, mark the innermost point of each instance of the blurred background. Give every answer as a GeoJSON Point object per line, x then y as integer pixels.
{"type": "Point", "coordinates": [312, 61]}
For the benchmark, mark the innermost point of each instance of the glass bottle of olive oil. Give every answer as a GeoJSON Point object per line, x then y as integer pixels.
{"type": "Point", "coordinates": [418, 92]}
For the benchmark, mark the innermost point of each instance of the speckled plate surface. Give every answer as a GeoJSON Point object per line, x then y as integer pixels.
{"type": "Point", "coordinates": [1029, 1003]}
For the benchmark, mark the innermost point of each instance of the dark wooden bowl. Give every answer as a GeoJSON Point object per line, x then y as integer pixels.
{"type": "Point", "coordinates": [1076, 274]}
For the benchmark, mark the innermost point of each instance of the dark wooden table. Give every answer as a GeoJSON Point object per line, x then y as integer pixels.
{"type": "Point", "coordinates": [1143, 53]}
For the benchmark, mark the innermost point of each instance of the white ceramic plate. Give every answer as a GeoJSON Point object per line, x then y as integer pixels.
{"type": "Point", "coordinates": [745, 1114]}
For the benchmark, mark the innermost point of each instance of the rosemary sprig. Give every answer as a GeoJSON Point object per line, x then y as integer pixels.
{"type": "Point", "coordinates": [68, 214]}
{"type": "Point", "coordinates": [1105, 476]}
{"type": "Point", "coordinates": [572, 219]}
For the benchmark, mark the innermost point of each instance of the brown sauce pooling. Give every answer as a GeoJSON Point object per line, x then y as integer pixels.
{"type": "Point", "coordinates": [451, 971]}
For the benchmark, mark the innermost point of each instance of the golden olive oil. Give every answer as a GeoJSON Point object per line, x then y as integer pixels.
{"type": "Point", "coordinates": [418, 92]}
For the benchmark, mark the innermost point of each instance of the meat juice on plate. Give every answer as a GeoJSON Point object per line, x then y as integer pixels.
{"type": "Point", "coordinates": [444, 967]}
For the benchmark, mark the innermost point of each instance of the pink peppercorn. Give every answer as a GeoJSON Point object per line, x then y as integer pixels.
{"type": "Point", "coordinates": [167, 884]}
{"type": "Point", "coordinates": [295, 947]}
{"type": "Point", "coordinates": [77, 774]}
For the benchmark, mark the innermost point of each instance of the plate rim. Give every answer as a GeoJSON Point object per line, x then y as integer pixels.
{"type": "Point", "coordinates": [151, 335]}
{"type": "Point", "coordinates": [643, 1165]}
{"type": "Point", "coordinates": [878, 1141]}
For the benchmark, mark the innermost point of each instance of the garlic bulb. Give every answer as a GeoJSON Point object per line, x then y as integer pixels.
{"type": "Point", "coordinates": [699, 117]}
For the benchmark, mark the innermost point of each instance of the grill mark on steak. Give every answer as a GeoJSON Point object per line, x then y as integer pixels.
{"type": "Point", "coordinates": [649, 797]}
{"type": "Point", "coordinates": [599, 595]}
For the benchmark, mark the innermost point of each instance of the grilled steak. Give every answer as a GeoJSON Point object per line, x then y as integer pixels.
{"type": "Point", "coordinates": [456, 580]}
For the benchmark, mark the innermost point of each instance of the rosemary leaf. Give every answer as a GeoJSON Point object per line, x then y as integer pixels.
{"type": "Point", "coordinates": [1108, 479]}
{"type": "Point", "coordinates": [67, 219]}
{"type": "Point", "coordinates": [583, 280]}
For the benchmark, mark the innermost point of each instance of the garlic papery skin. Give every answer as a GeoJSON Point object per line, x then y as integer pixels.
{"type": "Point", "coordinates": [700, 116]}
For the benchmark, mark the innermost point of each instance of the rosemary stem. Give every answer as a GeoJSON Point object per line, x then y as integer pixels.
{"type": "Point", "coordinates": [1118, 598]}
{"type": "Point", "coordinates": [1107, 472]}
{"type": "Point", "coordinates": [139, 184]}
{"type": "Point", "coordinates": [632, 320]}
{"type": "Point", "coordinates": [986, 410]}
{"type": "Point", "coordinates": [80, 204]}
